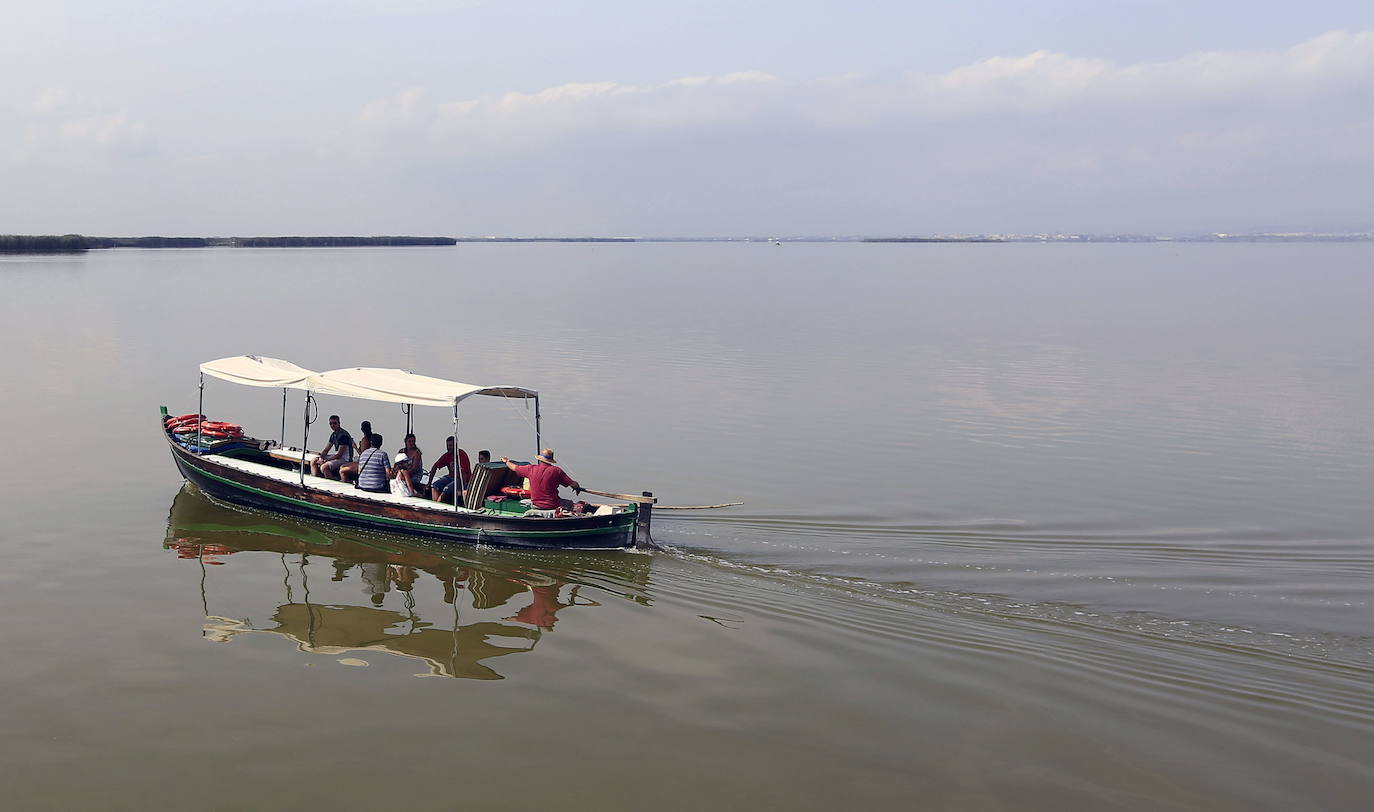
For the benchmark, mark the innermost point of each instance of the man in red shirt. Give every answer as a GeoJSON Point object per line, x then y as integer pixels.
{"type": "Point", "coordinates": [437, 486]}
{"type": "Point", "coordinates": [544, 477]}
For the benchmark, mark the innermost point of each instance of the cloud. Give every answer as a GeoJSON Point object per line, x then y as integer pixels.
{"type": "Point", "coordinates": [1041, 141]}
{"type": "Point", "coordinates": [1221, 140]}
{"type": "Point", "coordinates": [1039, 82]}
{"type": "Point", "coordinates": [515, 120]}
{"type": "Point", "coordinates": [48, 101]}
{"type": "Point", "coordinates": [398, 111]}
{"type": "Point", "coordinates": [104, 131]}
{"type": "Point", "coordinates": [1046, 81]}
{"type": "Point", "coordinates": [56, 127]}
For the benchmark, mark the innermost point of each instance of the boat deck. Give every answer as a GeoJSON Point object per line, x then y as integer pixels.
{"type": "Point", "coordinates": [334, 486]}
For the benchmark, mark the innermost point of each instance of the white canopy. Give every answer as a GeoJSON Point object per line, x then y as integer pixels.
{"type": "Point", "coordinates": [399, 386]}
{"type": "Point", "coordinates": [368, 383]}
{"type": "Point", "coordinates": [253, 370]}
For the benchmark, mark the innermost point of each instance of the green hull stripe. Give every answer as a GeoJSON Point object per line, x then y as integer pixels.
{"type": "Point", "coordinates": [406, 523]}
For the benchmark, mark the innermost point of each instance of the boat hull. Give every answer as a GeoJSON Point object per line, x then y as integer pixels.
{"type": "Point", "coordinates": [239, 487]}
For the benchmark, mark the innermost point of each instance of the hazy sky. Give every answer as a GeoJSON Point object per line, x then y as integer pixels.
{"type": "Point", "coordinates": [703, 118]}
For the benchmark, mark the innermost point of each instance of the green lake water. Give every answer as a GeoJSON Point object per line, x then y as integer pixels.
{"type": "Point", "coordinates": [1031, 527]}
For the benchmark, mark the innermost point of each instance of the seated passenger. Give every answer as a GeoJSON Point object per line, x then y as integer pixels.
{"type": "Point", "coordinates": [436, 486]}
{"type": "Point", "coordinates": [348, 472]}
{"type": "Point", "coordinates": [336, 454]}
{"type": "Point", "coordinates": [365, 431]}
{"type": "Point", "coordinates": [446, 495]}
{"type": "Point", "coordinates": [374, 467]}
{"type": "Point", "coordinates": [409, 466]}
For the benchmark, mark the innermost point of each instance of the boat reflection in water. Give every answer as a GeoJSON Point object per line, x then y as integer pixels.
{"type": "Point", "coordinates": [517, 595]}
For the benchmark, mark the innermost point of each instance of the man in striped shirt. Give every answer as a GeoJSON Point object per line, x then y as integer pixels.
{"type": "Point", "coordinates": [373, 465]}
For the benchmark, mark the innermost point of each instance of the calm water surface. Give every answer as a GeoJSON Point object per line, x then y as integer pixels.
{"type": "Point", "coordinates": [1025, 527]}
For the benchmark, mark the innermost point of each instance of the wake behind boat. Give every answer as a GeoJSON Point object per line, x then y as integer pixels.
{"type": "Point", "coordinates": [222, 461]}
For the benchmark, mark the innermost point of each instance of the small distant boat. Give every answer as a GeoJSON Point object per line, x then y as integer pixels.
{"type": "Point", "coordinates": [225, 463]}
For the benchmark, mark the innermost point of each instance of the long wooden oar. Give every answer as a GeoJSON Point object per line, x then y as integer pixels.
{"type": "Point", "coordinates": [649, 500]}
{"type": "Point", "coordinates": [643, 500]}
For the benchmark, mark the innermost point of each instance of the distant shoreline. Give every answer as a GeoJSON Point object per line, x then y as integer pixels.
{"type": "Point", "coordinates": [71, 243]}
{"type": "Point", "coordinates": [75, 243]}
{"type": "Point", "coordinates": [550, 239]}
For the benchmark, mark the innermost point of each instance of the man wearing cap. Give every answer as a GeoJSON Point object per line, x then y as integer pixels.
{"type": "Point", "coordinates": [544, 477]}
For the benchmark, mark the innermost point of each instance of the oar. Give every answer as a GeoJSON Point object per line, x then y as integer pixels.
{"type": "Point", "coordinates": [643, 500]}
{"type": "Point", "coordinates": [649, 500]}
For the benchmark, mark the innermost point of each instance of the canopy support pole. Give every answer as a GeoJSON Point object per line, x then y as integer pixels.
{"type": "Point", "coordinates": [305, 438]}
{"type": "Point", "coordinates": [200, 415]}
{"type": "Point", "coordinates": [283, 415]}
{"type": "Point", "coordinates": [538, 437]}
{"type": "Point", "coordinates": [457, 467]}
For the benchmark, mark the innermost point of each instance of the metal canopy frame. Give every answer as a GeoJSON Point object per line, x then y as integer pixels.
{"type": "Point", "coordinates": [336, 383]}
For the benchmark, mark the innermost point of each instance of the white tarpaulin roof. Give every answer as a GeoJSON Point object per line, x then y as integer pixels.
{"type": "Point", "coordinates": [368, 383]}
{"type": "Point", "coordinates": [399, 386]}
{"type": "Point", "coordinates": [254, 370]}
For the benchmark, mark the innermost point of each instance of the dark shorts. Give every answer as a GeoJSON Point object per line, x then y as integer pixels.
{"type": "Point", "coordinates": [383, 489]}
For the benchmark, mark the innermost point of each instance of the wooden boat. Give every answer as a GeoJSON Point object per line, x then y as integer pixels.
{"type": "Point", "coordinates": [270, 476]}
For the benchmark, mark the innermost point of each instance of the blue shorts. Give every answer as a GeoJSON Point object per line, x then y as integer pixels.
{"type": "Point", "coordinates": [441, 483]}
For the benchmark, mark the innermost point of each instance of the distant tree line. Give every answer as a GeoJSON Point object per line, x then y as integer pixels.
{"type": "Point", "coordinates": [146, 242]}
{"type": "Point", "coordinates": [334, 242]}
{"type": "Point", "coordinates": [43, 242]}
{"type": "Point", "coordinates": [78, 242]}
